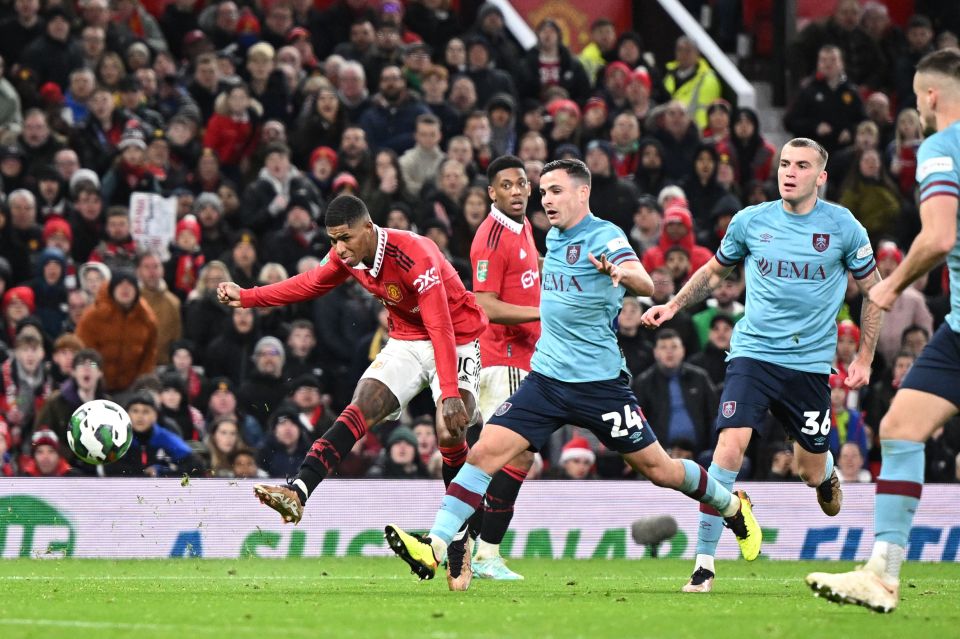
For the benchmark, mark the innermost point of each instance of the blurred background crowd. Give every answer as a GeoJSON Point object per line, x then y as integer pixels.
{"type": "Point", "coordinates": [251, 116]}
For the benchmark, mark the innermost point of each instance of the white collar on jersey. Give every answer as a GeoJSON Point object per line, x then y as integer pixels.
{"type": "Point", "coordinates": [504, 219]}
{"type": "Point", "coordinates": [378, 258]}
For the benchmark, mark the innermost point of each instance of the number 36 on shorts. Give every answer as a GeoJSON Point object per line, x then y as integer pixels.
{"type": "Point", "coordinates": [814, 425]}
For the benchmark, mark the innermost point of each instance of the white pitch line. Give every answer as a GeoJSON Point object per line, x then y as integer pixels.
{"type": "Point", "coordinates": [252, 578]}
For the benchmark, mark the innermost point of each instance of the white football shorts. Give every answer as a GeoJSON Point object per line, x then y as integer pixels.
{"type": "Point", "coordinates": [407, 367]}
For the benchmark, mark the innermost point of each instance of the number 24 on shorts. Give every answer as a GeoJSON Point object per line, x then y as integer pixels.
{"type": "Point", "coordinates": [630, 417]}
{"type": "Point", "coordinates": [814, 426]}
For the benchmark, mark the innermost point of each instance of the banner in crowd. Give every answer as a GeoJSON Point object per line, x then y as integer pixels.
{"type": "Point", "coordinates": [576, 16]}
{"type": "Point", "coordinates": [153, 220]}
{"type": "Point", "coordinates": [148, 518]}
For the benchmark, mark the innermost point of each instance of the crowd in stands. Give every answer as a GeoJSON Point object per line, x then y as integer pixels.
{"type": "Point", "coordinates": [253, 116]}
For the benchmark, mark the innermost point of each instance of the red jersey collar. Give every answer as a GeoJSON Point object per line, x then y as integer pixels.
{"type": "Point", "coordinates": [505, 220]}
{"type": "Point", "coordinates": [378, 258]}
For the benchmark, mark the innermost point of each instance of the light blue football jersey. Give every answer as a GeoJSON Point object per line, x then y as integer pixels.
{"type": "Point", "coordinates": [938, 173]}
{"type": "Point", "coordinates": [579, 304]}
{"type": "Point", "coordinates": [796, 274]}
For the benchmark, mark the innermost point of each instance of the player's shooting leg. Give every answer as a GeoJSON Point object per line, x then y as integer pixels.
{"type": "Point", "coordinates": [372, 403]}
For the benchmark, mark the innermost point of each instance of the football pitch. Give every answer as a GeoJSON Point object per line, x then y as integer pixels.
{"type": "Point", "coordinates": [376, 597]}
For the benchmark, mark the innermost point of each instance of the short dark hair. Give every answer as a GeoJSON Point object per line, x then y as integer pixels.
{"type": "Point", "coordinates": [667, 333]}
{"type": "Point", "coordinates": [576, 169]}
{"type": "Point", "coordinates": [601, 22]}
{"type": "Point", "coordinates": [345, 210]}
{"type": "Point", "coordinates": [722, 317]}
{"type": "Point", "coordinates": [907, 354]}
{"type": "Point", "coordinates": [303, 323]}
{"type": "Point", "coordinates": [501, 164]}
{"type": "Point", "coordinates": [276, 147]}
{"type": "Point", "coordinates": [945, 62]}
{"type": "Point", "coordinates": [88, 188]}
{"type": "Point", "coordinates": [913, 328]}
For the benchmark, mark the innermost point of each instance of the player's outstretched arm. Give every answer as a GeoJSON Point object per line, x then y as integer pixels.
{"type": "Point", "coordinates": [697, 289]}
{"type": "Point", "coordinates": [631, 274]}
{"type": "Point", "coordinates": [937, 237]}
{"type": "Point", "coordinates": [500, 312]}
{"type": "Point", "coordinates": [229, 293]}
{"type": "Point", "coordinates": [871, 318]}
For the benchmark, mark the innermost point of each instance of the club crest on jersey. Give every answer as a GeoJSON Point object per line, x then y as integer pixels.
{"type": "Point", "coordinates": [821, 241]}
{"type": "Point", "coordinates": [394, 292]}
{"type": "Point", "coordinates": [503, 408]}
{"type": "Point", "coordinates": [573, 253]}
{"type": "Point", "coordinates": [728, 409]}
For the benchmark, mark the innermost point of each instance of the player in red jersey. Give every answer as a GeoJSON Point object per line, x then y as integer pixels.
{"type": "Point", "coordinates": [506, 281]}
{"type": "Point", "coordinates": [434, 327]}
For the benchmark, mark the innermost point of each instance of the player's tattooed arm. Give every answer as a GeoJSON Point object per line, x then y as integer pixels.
{"type": "Point", "coordinates": [871, 318]}
{"type": "Point", "coordinates": [701, 284]}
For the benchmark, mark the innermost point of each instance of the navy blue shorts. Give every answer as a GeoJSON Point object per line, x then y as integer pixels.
{"type": "Point", "coordinates": [608, 409]}
{"type": "Point", "coordinates": [801, 401]}
{"type": "Point", "coordinates": [937, 370]}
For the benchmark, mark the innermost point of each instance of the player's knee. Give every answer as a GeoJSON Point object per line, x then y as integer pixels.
{"type": "Point", "coordinates": [808, 477]}
{"type": "Point", "coordinates": [659, 474]}
{"type": "Point", "coordinates": [729, 452]}
{"type": "Point", "coordinates": [892, 428]}
{"type": "Point", "coordinates": [478, 455]}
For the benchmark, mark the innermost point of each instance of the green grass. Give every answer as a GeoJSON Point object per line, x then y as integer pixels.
{"type": "Point", "coordinates": [343, 598]}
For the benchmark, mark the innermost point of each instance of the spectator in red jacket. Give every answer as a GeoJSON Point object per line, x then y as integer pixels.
{"type": "Point", "coordinates": [677, 231]}
{"type": "Point", "coordinates": [233, 129]}
{"type": "Point", "coordinates": [45, 459]}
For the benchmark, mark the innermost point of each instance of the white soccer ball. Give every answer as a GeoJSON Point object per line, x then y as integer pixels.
{"type": "Point", "coordinates": [100, 432]}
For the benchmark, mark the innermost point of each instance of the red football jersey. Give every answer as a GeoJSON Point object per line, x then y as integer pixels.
{"type": "Point", "coordinates": [505, 261]}
{"type": "Point", "coordinates": [419, 287]}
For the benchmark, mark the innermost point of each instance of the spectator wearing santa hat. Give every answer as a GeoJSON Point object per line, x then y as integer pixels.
{"type": "Point", "coordinates": [677, 231]}
{"type": "Point", "coordinates": [186, 257]}
{"type": "Point", "coordinates": [909, 309]}
{"type": "Point", "coordinates": [577, 461]}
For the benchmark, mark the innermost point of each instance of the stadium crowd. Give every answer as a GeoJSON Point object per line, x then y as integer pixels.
{"type": "Point", "coordinates": [252, 117]}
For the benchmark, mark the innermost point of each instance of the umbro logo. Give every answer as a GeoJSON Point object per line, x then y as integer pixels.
{"type": "Point", "coordinates": [766, 237]}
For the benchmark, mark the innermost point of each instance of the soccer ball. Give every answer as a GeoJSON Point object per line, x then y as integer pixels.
{"type": "Point", "coordinates": [100, 432]}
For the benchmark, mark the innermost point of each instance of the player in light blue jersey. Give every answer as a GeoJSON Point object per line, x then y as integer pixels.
{"type": "Point", "coordinates": [578, 377]}
{"type": "Point", "coordinates": [930, 393]}
{"type": "Point", "coordinates": [796, 253]}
